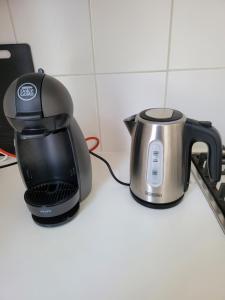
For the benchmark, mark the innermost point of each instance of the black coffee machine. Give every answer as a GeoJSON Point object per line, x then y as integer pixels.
{"type": "Point", "coordinates": [52, 154]}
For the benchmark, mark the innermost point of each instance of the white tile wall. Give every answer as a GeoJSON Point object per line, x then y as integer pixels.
{"type": "Point", "coordinates": [121, 96]}
{"type": "Point", "coordinates": [58, 32]}
{"type": "Point", "coordinates": [6, 29]}
{"type": "Point", "coordinates": [125, 35]}
{"type": "Point", "coordinates": [200, 95]}
{"type": "Point", "coordinates": [119, 57]}
{"type": "Point", "coordinates": [198, 34]}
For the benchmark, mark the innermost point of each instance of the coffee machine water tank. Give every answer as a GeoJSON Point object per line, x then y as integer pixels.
{"type": "Point", "coordinates": [52, 154]}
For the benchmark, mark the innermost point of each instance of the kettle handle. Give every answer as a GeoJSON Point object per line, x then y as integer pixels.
{"type": "Point", "coordinates": [197, 131]}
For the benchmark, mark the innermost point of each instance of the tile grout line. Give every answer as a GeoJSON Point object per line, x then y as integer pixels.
{"type": "Point", "coordinates": [111, 73]}
{"type": "Point", "coordinates": [141, 72]}
{"type": "Point", "coordinates": [168, 53]}
{"type": "Point", "coordinates": [11, 20]}
{"type": "Point", "coordinates": [197, 69]}
{"type": "Point", "coordinates": [95, 78]}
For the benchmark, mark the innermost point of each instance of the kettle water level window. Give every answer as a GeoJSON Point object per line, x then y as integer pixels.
{"type": "Point", "coordinates": [155, 164]}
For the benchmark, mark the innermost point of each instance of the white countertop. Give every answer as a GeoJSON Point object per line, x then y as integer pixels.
{"type": "Point", "coordinates": [114, 248]}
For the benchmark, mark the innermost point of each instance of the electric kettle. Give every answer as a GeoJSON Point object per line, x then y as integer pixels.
{"type": "Point", "coordinates": [160, 162]}
{"type": "Point", "coordinates": [52, 154]}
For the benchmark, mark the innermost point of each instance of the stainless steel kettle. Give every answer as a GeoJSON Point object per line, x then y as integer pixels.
{"type": "Point", "coordinates": [160, 161]}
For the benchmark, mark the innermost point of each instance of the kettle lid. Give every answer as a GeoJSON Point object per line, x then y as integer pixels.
{"type": "Point", "coordinates": [161, 115]}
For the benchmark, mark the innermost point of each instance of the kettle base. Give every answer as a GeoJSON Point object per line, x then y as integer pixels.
{"type": "Point", "coordinates": [154, 205]}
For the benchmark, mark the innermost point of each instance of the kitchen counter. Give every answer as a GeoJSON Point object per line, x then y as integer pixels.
{"type": "Point", "coordinates": [113, 249]}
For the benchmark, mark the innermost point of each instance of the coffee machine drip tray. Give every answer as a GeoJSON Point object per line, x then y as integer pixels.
{"type": "Point", "coordinates": [52, 203]}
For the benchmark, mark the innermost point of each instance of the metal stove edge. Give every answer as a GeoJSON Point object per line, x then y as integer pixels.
{"type": "Point", "coordinates": [211, 201]}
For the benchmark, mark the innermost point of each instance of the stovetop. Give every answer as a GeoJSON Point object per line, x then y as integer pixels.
{"type": "Point", "coordinates": [214, 193]}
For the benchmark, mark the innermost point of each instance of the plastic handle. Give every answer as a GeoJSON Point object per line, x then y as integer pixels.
{"type": "Point", "coordinates": [196, 131]}
{"type": "Point", "coordinates": [10, 48]}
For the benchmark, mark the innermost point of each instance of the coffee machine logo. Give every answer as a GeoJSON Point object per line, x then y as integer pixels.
{"type": "Point", "coordinates": [27, 91]}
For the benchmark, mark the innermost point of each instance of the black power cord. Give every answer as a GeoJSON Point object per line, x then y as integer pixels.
{"type": "Point", "coordinates": [110, 169]}
{"type": "Point", "coordinates": [8, 165]}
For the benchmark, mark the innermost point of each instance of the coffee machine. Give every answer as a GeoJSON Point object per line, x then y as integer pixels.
{"type": "Point", "coordinates": [52, 154]}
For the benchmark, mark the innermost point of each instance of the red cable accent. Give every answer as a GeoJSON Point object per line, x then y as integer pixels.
{"type": "Point", "coordinates": [7, 153]}
{"type": "Point", "coordinates": [93, 138]}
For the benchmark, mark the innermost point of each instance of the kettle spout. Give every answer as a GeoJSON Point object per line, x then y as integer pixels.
{"type": "Point", "coordinates": [130, 123]}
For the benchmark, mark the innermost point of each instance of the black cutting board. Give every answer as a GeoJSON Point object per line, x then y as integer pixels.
{"type": "Point", "coordinates": [19, 63]}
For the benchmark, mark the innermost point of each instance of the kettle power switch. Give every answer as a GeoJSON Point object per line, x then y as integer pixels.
{"type": "Point", "coordinates": [155, 164]}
